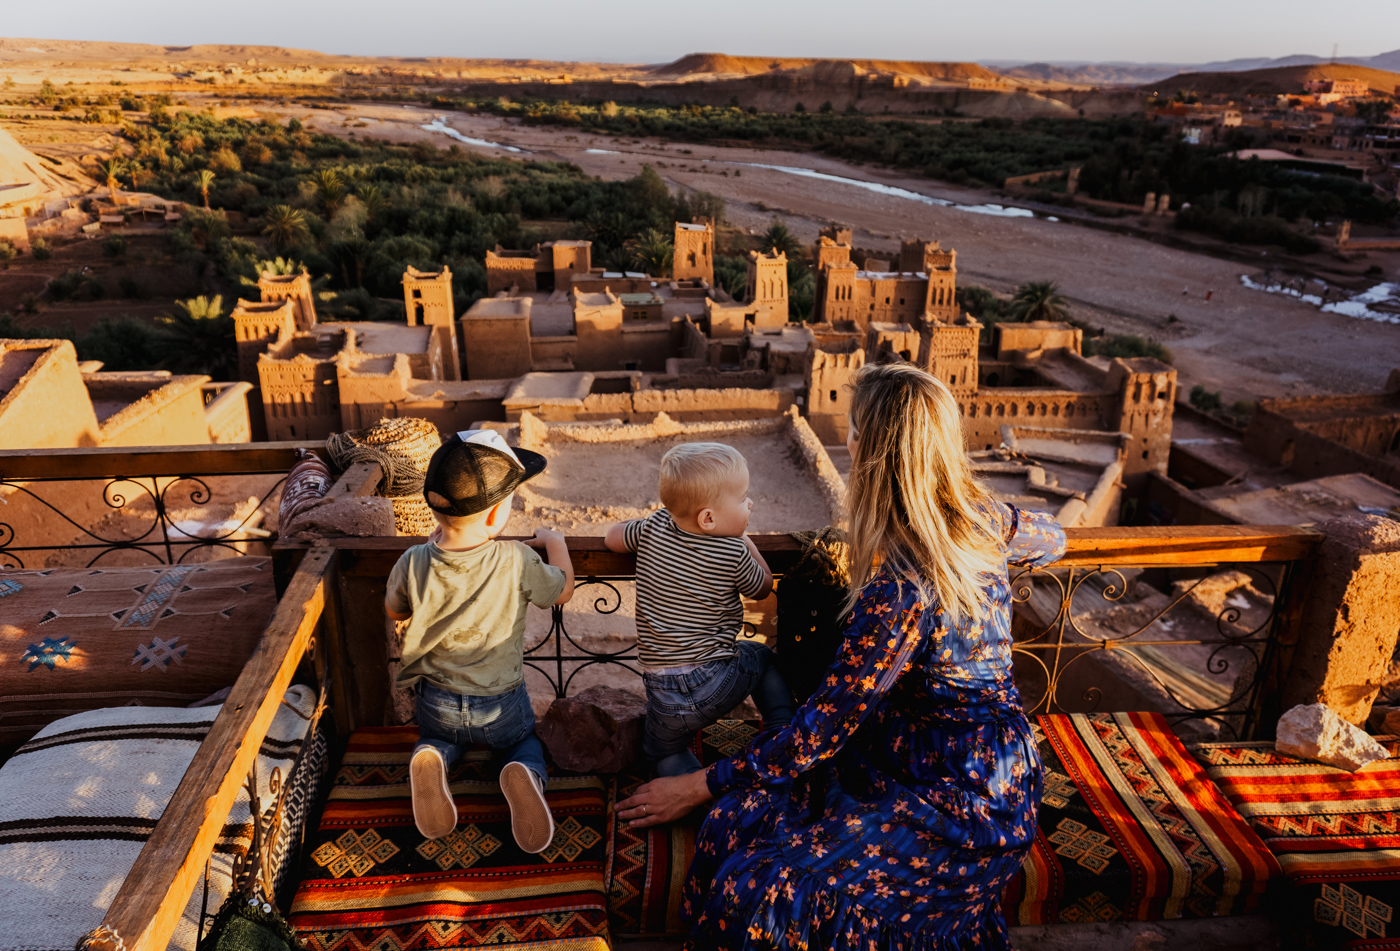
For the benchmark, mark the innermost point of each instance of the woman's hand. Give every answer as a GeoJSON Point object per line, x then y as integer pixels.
{"type": "Point", "coordinates": [664, 799]}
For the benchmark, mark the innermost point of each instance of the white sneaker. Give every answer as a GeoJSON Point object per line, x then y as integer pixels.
{"type": "Point", "coordinates": [434, 812]}
{"type": "Point", "coordinates": [530, 820]}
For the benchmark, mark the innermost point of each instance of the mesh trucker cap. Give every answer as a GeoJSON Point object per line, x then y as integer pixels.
{"type": "Point", "coordinates": [475, 469]}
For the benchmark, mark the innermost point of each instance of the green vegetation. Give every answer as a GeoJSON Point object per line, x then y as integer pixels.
{"type": "Point", "coordinates": [1205, 400]}
{"type": "Point", "coordinates": [359, 212]}
{"type": "Point", "coordinates": [1121, 159]}
{"type": "Point", "coordinates": [1126, 346]}
{"type": "Point", "coordinates": [1039, 300]}
{"type": "Point", "coordinates": [1209, 401]}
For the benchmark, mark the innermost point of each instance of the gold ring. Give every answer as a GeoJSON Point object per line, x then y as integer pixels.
{"type": "Point", "coordinates": [645, 810]}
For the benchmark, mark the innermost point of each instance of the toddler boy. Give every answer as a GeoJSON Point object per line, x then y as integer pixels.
{"type": "Point", "coordinates": [464, 596]}
{"type": "Point", "coordinates": [695, 564]}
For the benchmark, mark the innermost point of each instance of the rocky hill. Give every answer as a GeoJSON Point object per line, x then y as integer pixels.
{"type": "Point", "coordinates": [1277, 80]}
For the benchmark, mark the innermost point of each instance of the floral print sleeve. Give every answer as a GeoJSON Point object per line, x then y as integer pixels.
{"type": "Point", "coordinates": [880, 645]}
{"type": "Point", "coordinates": [1033, 539]}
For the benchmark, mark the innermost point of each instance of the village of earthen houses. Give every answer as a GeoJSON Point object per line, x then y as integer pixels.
{"type": "Point", "coordinates": [247, 293]}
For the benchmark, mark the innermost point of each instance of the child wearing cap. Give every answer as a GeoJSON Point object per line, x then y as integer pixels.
{"type": "Point", "coordinates": [695, 565]}
{"type": "Point", "coordinates": [464, 595]}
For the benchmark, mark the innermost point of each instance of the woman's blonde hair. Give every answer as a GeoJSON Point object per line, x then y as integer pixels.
{"type": "Point", "coordinates": [914, 505]}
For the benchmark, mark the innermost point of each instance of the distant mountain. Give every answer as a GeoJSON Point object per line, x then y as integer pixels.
{"type": "Point", "coordinates": [1135, 74]}
{"type": "Point", "coordinates": [1092, 74]}
{"type": "Point", "coordinates": [1278, 80]}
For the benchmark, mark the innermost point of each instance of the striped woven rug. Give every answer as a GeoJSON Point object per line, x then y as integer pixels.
{"type": "Point", "coordinates": [1336, 834]}
{"type": "Point", "coordinates": [372, 882]}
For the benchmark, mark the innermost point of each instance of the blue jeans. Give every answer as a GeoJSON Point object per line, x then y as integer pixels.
{"type": "Point", "coordinates": [680, 704]}
{"type": "Point", "coordinates": [506, 723]}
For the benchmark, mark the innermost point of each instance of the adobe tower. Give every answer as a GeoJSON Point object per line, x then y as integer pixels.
{"type": "Point", "coordinates": [693, 257]}
{"type": "Point", "coordinates": [427, 297]}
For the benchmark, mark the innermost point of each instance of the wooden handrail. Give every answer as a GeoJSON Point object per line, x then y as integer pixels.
{"type": "Point", "coordinates": [224, 458]}
{"type": "Point", "coordinates": [148, 907]}
{"type": "Point", "coordinates": [1118, 545]}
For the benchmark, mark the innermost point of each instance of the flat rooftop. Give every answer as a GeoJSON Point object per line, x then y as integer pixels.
{"type": "Point", "coordinates": [1305, 503]}
{"type": "Point", "coordinates": [602, 473]}
{"type": "Point", "coordinates": [386, 337]}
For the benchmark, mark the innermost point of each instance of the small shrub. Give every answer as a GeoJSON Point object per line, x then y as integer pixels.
{"type": "Point", "coordinates": [1375, 270]}
{"type": "Point", "coordinates": [1126, 346]}
{"type": "Point", "coordinates": [65, 285]}
{"type": "Point", "coordinates": [8, 252]}
{"type": "Point", "coordinates": [114, 247]}
{"type": "Point", "coordinates": [40, 249]}
{"type": "Point", "coordinates": [1205, 400]}
{"type": "Point", "coordinates": [131, 290]}
{"type": "Point", "coordinates": [225, 160]}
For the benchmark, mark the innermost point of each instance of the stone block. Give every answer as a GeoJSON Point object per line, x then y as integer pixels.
{"type": "Point", "coordinates": [1350, 618]}
{"type": "Point", "coordinates": [596, 731]}
{"type": "Point", "coordinates": [1315, 732]}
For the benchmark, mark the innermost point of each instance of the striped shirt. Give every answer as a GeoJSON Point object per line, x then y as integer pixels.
{"type": "Point", "coordinates": [690, 607]}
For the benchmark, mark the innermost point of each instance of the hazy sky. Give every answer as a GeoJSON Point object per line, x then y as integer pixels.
{"type": "Point", "coordinates": [1184, 31]}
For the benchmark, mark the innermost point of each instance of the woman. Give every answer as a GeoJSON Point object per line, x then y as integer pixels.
{"type": "Point", "coordinates": [895, 808]}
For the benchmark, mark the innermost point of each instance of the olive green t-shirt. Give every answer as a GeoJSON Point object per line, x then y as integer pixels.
{"type": "Point", "coordinates": [467, 630]}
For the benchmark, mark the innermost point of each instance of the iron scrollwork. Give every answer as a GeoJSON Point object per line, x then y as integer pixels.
{"type": "Point", "coordinates": [149, 500]}
{"type": "Point", "coordinates": [1082, 601]}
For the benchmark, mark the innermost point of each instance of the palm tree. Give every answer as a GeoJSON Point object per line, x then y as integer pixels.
{"type": "Point", "coordinates": [331, 189]}
{"type": "Point", "coordinates": [1039, 300]}
{"type": "Point", "coordinates": [199, 338]}
{"type": "Point", "coordinates": [202, 181]}
{"type": "Point", "coordinates": [285, 227]}
{"type": "Point", "coordinates": [110, 169]}
{"type": "Point", "coordinates": [652, 253]}
{"type": "Point", "coordinates": [372, 197]}
{"type": "Point", "coordinates": [779, 238]}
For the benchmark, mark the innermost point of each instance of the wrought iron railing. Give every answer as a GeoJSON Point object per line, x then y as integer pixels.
{"type": "Point", "coordinates": [1120, 618]}
{"type": "Point", "coordinates": [564, 653]}
{"type": "Point", "coordinates": [59, 504]}
{"type": "Point", "coordinates": [1203, 662]}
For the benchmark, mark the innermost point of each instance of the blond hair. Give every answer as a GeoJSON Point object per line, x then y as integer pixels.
{"type": "Point", "coordinates": [914, 505]}
{"type": "Point", "coordinates": [694, 474]}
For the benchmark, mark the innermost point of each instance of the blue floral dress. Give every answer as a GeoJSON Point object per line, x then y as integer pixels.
{"type": "Point", "coordinates": [902, 799]}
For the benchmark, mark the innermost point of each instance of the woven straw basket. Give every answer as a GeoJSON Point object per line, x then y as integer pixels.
{"type": "Point", "coordinates": [403, 448]}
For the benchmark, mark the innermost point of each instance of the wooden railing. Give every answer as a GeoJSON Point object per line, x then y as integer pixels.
{"type": "Point", "coordinates": [334, 596]}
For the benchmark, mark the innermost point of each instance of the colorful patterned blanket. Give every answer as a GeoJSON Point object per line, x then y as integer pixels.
{"type": "Point", "coordinates": [1336, 834]}
{"type": "Point", "coordinates": [1131, 828]}
{"type": "Point", "coordinates": [372, 882]}
{"type": "Point", "coordinates": [86, 638]}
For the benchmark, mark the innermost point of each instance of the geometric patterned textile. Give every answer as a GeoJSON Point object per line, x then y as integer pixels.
{"type": "Point", "coordinates": [75, 639]}
{"type": "Point", "coordinates": [1132, 829]}
{"type": "Point", "coordinates": [1336, 834]}
{"type": "Point", "coordinates": [79, 800]}
{"type": "Point", "coordinates": [647, 867]}
{"type": "Point", "coordinates": [372, 883]}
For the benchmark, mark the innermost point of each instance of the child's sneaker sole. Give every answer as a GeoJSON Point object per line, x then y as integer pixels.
{"type": "Point", "coordinates": [530, 819]}
{"type": "Point", "coordinates": [434, 812]}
